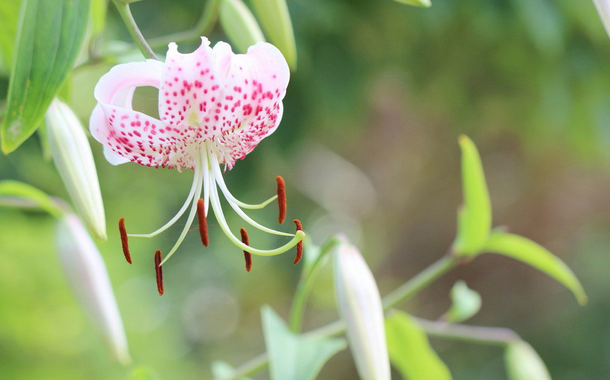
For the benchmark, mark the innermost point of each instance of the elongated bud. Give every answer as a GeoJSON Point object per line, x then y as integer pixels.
{"type": "Point", "coordinates": [275, 20]}
{"type": "Point", "coordinates": [89, 279]}
{"type": "Point", "coordinates": [417, 3]}
{"type": "Point", "coordinates": [247, 255]}
{"type": "Point", "coordinates": [239, 24]}
{"type": "Point", "coordinates": [523, 363]}
{"type": "Point", "coordinates": [603, 8]}
{"type": "Point", "coordinates": [74, 161]}
{"type": "Point", "coordinates": [361, 309]}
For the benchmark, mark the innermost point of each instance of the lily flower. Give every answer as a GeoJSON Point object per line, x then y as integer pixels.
{"type": "Point", "coordinates": [214, 107]}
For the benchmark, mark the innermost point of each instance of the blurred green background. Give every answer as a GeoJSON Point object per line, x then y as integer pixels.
{"type": "Point", "coordinates": [368, 146]}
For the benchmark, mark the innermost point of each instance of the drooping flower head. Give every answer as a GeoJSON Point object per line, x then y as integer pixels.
{"type": "Point", "coordinates": [214, 108]}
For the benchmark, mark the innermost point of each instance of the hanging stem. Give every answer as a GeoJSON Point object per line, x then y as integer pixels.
{"type": "Point", "coordinates": [204, 26]}
{"type": "Point", "coordinates": [133, 29]}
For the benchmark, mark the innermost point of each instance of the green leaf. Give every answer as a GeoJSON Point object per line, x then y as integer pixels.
{"type": "Point", "coordinates": [49, 36]}
{"type": "Point", "coordinates": [295, 356]}
{"type": "Point", "coordinates": [9, 14]}
{"type": "Point", "coordinates": [239, 24]}
{"type": "Point", "coordinates": [275, 20]}
{"type": "Point", "coordinates": [474, 218]}
{"type": "Point", "coordinates": [410, 351]}
{"type": "Point", "coordinates": [32, 196]}
{"type": "Point", "coordinates": [416, 3]}
{"type": "Point", "coordinates": [523, 363]}
{"type": "Point", "coordinates": [465, 303]}
{"type": "Point", "coordinates": [537, 256]}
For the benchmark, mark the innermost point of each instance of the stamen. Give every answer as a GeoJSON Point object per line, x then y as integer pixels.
{"type": "Point", "coordinates": [203, 224]}
{"type": "Point", "coordinates": [124, 241]}
{"type": "Point", "coordinates": [281, 198]}
{"type": "Point", "coordinates": [247, 255]}
{"type": "Point", "coordinates": [299, 244]}
{"type": "Point", "coordinates": [159, 272]}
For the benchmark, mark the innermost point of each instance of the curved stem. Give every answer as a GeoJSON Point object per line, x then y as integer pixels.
{"type": "Point", "coordinates": [493, 336]}
{"type": "Point", "coordinates": [133, 29]}
{"type": "Point", "coordinates": [204, 26]}
{"type": "Point", "coordinates": [402, 293]}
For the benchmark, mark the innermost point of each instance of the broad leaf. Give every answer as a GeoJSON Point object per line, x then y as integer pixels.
{"type": "Point", "coordinates": [275, 20]}
{"type": "Point", "coordinates": [534, 254]}
{"type": "Point", "coordinates": [294, 356]}
{"type": "Point", "coordinates": [410, 351]}
{"type": "Point", "coordinates": [27, 196]}
{"type": "Point", "coordinates": [465, 303]}
{"type": "Point", "coordinates": [474, 218]}
{"type": "Point", "coordinates": [9, 14]}
{"type": "Point", "coordinates": [239, 24]}
{"type": "Point", "coordinates": [49, 37]}
{"type": "Point", "coordinates": [523, 363]}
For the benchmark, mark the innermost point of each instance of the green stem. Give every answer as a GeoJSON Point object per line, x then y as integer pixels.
{"type": "Point", "coordinates": [401, 294]}
{"type": "Point", "coordinates": [305, 284]}
{"type": "Point", "coordinates": [493, 336]}
{"type": "Point", "coordinates": [133, 29]}
{"type": "Point", "coordinates": [204, 26]}
{"type": "Point", "coordinates": [420, 281]}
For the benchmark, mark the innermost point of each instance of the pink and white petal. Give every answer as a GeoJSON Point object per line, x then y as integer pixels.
{"type": "Point", "coordinates": [254, 88]}
{"type": "Point", "coordinates": [224, 54]}
{"type": "Point", "coordinates": [99, 131]}
{"type": "Point", "coordinates": [116, 87]}
{"type": "Point", "coordinates": [190, 84]}
{"type": "Point", "coordinates": [142, 139]}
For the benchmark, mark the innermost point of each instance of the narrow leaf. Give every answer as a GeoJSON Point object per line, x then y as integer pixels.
{"type": "Point", "coordinates": [240, 25]}
{"type": "Point", "coordinates": [9, 14]}
{"type": "Point", "coordinates": [410, 351]}
{"type": "Point", "coordinates": [465, 303]}
{"type": "Point", "coordinates": [523, 363]}
{"type": "Point", "coordinates": [49, 36]}
{"type": "Point", "coordinates": [31, 195]}
{"type": "Point", "coordinates": [537, 256]}
{"type": "Point", "coordinates": [474, 219]}
{"type": "Point", "coordinates": [275, 20]}
{"type": "Point", "coordinates": [293, 356]}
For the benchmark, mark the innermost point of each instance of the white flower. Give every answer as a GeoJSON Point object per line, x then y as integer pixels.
{"type": "Point", "coordinates": [360, 306]}
{"type": "Point", "coordinates": [88, 276]}
{"type": "Point", "coordinates": [603, 8]}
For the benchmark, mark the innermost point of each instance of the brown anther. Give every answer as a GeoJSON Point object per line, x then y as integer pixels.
{"type": "Point", "coordinates": [281, 198]}
{"type": "Point", "coordinates": [247, 255]}
{"type": "Point", "coordinates": [124, 241]}
{"type": "Point", "coordinates": [159, 272]}
{"type": "Point", "coordinates": [299, 244]}
{"type": "Point", "coordinates": [203, 224]}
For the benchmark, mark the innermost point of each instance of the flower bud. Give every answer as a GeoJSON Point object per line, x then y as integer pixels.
{"type": "Point", "coordinates": [603, 8]}
{"type": "Point", "coordinates": [74, 161]}
{"type": "Point", "coordinates": [88, 277]}
{"type": "Point", "coordinates": [361, 309]}
{"type": "Point", "coordinates": [239, 24]}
